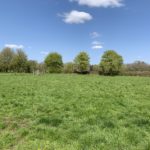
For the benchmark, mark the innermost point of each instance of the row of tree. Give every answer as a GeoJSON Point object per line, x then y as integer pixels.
{"type": "Point", "coordinates": [11, 61]}
{"type": "Point", "coordinates": [111, 64]}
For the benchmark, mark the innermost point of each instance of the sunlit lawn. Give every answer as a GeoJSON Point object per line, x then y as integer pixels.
{"type": "Point", "coordinates": [74, 112]}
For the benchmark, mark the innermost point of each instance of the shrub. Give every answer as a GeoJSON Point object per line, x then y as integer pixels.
{"type": "Point", "coordinates": [68, 68]}
{"type": "Point", "coordinates": [94, 69]}
{"type": "Point", "coordinates": [138, 68]}
{"type": "Point", "coordinates": [42, 68]}
{"type": "Point", "coordinates": [32, 66]}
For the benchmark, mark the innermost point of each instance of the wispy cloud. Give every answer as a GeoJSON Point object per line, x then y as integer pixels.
{"type": "Point", "coordinates": [97, 45]}
{"type": "Point", "coordinates": [100, 3]}
{"type": "Point", "coordinates": [44, 52]}
{"type": "Point", "coordinates": [14, 46]}
{"type": "Point", "coordinates": [94, 35]}
{"type": "Point", "coordinates": [76, 17]}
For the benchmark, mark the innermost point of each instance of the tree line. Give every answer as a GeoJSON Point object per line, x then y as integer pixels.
{"type": "Point", "coordinates": [17, 61]}
{"type": "Point", "coordinates": [111, 64]}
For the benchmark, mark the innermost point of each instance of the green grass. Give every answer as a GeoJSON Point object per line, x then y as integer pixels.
{"type": "Point", "coordinates": [73, 112]}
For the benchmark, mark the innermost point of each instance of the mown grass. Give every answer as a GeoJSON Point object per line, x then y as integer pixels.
{"type": "Point", "coordinates": [73, 112]}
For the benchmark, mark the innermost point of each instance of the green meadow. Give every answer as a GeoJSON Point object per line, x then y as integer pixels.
{"type": "Point", "coordinates": [74, 112]}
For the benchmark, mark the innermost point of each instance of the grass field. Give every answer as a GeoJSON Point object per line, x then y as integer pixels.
{"type": "Point", "coordinates": [73, 112]}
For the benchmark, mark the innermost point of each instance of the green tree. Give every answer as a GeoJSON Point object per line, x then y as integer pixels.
{"type": "Point", "coordinates": [6, 58]}
{"type": "Point", "coordinates": [32, 66]}
{"type": "Point", "coordinates": [82, 64]}
{"type": "Point", "coordinates": [111, 63]}
{"type": "Point", "coordinates": [69, 67]}
{"type": "Point", "coordinates": [20, 61]}
{"type": "Point", "coordinates": [54, 63]}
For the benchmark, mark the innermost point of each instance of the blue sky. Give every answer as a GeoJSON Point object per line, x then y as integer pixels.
{"type": "Point", "coordinates": [71, 26]}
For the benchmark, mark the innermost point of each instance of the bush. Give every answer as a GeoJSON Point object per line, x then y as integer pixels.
{"type": "Point", "coordinates": [94, 69]}
{"type": "Point", "coordinates": [32, 66]}
{"type": "Point", "coordinates": [137, 73]}
{"type": "Point", "coordinates": [68, 68]}
{"type": "Point", "coordinates": [138, 68]}
{"type": "Point", "coordinates": [42, 68]}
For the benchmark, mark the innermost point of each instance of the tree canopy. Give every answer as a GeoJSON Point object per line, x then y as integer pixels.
{"type": "Point", "coordinates": [111, 63]}
{"type": "Point", "coordinates": [20, 61]}
{"type": "Point", "coordinates": [54, 63]}
{"type": "Point", "coordinates": [82, 63]}
{"type": "Point", "coordinates": [6, 59]}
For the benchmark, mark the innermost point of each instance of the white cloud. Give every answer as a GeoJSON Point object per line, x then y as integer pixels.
{"type": "Point", "coordinates": [100, 3]}
{"type": "Point", "coordinates": [94, 35]}
{"type": "Point", "coordinates": [44, 52]}
{"type": "Point", "coordinates": [97, 45]}
{"type": "Point", "coordinates": [76, 17]}
{"type": "Point", "coordinates": [14, 46]}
